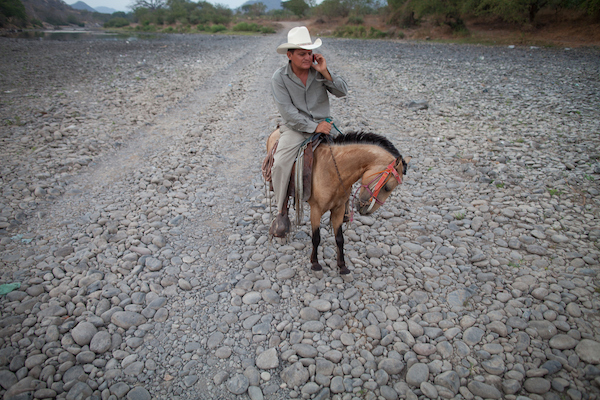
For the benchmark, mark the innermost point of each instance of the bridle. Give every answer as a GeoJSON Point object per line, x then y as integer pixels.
{"type": "Point", "coordinates": [381, 179]}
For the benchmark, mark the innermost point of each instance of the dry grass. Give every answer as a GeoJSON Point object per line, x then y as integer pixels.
{"type": "Point", "coordinates": [550, 29]}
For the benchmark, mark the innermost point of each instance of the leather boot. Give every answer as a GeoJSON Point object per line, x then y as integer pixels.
{"type": "Point", "coordinates": [280, 225]}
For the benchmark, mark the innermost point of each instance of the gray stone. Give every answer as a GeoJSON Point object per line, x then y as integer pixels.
{"type": "Point", "coordinates": [79, 390]}
{"type": "Point", "coordinates": [588, 351]}
{"type": "Point", "coordinates": [83, 333]}
{"type": "Point", "coordinates": [337, 385]}
{"type": "Point", "coordinates": [255, 393]}
{"type": "Point", "coordinates": [563, 342]}
{"type": "Point", "coordinates": [220, 377]}
{"type": "Point", "coordinates": [510, 386]}
{"type": "Point", "coordinates": [546, 329]}
{"type": "Point", "coordinates": [484, 390]}
{"type": "Point", "coordinates": [391, 365]}
{"type": "Point", "coordinates": [119, 389]}
{"type": "Point", "coordinates": [7, 379]}
{"type": "Point", "coordinates": [267, 359]}
{"type": "Point", "coordinates": [153, 264]}
{"type": "Point", "coordinates": [127, 319]}
{"type": "Point", "coordinates": [473, 335]}
{"type": "Point", "coordinates": [238, 384]}
{"type": "Point", "coordinates": [537, 385]}
{"type": "Point", "coordinates": [449, 380]}
{"type": "Point", "coordinates": [305, 350]}
{"type": "Point", "coordinates": [101, 342]}
{"type": "Point", "coordinates": [138, 393]}
{"type": "Point", "coordinates": [417, 374]}
{"type": "Point", "coordinates": [388, 393]}
{"type": "Point", "coordinates": [295, 375]}
{"type": "Point", "coordinates": [429, 390]}
{"type": "Point", "coordinates": [494, 366]}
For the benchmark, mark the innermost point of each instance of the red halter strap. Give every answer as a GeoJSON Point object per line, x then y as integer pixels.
{"type": "Point", "coordinates": [382, 178]}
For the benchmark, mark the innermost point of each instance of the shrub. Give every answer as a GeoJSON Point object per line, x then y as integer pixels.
{"type": "Point", "coordinates": [246, 27]}
{"type": "Point", "coordinates": [359, 32]}
{"type": "Point", "coordinates": [218, 28]}
{"type": "Point", "coordinates": [116, 23]}
{"type": "Point", "coordinates": [267, 29]}
{"type": "Point", "coordinates": [201, 27]}
{"type": "Point", "coordinates": [376, 33]}
{"type": "Point", "coordinates": [355, 20]}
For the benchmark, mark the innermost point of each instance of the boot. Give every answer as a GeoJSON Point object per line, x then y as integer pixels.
{"type": "Point", "coordinates": [280, 225]}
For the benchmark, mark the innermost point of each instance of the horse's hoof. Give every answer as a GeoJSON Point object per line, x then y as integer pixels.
{"type": "Point", "coordinates": [347, 277]}
{"type": "Point", "coordinates": [318, 274]}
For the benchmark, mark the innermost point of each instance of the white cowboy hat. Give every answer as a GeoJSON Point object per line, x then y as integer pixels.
{"type": "Point", "coordinates": [299, 38]}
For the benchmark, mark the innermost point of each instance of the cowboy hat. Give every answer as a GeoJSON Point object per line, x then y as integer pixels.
{"type": "Point", "coordinates": [299, 38]}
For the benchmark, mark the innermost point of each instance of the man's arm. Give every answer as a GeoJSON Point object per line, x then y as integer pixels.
{"type": "Point", "coordinates": [335, 84]}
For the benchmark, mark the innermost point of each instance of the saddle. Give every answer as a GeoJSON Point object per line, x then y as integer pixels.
{"type": "Point", "coordinates": [304, 158]}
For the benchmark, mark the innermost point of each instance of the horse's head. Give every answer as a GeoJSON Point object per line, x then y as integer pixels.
{"type": "Point", "coordinates": [378, 184]}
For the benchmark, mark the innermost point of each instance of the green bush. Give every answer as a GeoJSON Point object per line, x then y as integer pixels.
{"type": "Point", "coordinates": [218, 28]}
{"type": "Point", "coordinates": [246, 27]}
{"type": "Point", "coordinates": [349, 31]}
{"type": "Point", "coordinates": [116, 23]}
{"type": "Point", "coordinates": [12, 9]}
{"type": "Point", "coordinates": [267, 29]}
{"type": "Point", "coordinates": [376, 33]}
{"type": "Point", "coordinates": [355, 20]}
{"type": "Point", "coordinates": [201, 27]}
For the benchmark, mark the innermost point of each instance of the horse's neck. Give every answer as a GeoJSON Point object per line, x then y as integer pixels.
{"type": "Point", "coordinates": [353, 160]}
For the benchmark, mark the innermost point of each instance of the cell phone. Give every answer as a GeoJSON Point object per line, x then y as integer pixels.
{"type": "Point", "coordinates": [314, 60]}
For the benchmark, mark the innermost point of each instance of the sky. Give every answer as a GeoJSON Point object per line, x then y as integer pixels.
{"type": "Point", "coordinates": [123, 5]}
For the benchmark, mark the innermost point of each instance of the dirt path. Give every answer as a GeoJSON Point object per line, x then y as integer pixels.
{"type": "Point", "coordinates": [134, 216]}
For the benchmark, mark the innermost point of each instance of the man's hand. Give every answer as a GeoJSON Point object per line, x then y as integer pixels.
{"type": "Point", "coordinates": [321, 66]}
{"type": "Point", "coordinates": [323, 127]}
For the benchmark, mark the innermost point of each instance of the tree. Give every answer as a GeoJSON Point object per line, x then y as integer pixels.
{"type": "Point", "coordinates": [254, 9]}
{"type": "Point", "coordinates": [12, 10]}
{"type": "Point", "coordinates": [148, 4]}
{"type": "Point", "coordinates": [510, 10]}
{"type": "Point", "coordinates": [298, 7]}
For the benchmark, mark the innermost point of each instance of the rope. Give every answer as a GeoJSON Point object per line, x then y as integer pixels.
{"type": "Point", "coordinates": [349, 191]}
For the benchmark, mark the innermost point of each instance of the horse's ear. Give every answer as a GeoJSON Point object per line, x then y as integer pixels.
{"type": "Point", "coordinates": [405, 162]}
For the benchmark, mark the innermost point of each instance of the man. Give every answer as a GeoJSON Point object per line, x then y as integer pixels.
{"type": "Point", "coordinates": [300, 90]}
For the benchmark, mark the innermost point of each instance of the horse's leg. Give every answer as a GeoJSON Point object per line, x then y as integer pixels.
{"type": "Point", "coordinates": [315, 223]}
{"type": "Point", "coordinates": [337, 217]}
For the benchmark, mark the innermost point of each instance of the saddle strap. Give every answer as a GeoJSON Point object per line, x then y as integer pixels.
{"type": "Point", "coordinates": [268, 163]}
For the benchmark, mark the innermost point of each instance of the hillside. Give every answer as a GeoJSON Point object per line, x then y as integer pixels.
{"type": "Point", "coordinates": [105, 10]}
{"type": "Point", "coordinates": [80, 5]}
{"type": "Point", "coordinates": [51, 11]}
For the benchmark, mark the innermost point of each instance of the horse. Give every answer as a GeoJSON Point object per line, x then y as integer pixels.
{"type": "Point", "coordinates": [338, 163]}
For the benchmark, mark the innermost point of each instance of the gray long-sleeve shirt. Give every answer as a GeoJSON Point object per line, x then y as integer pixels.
{"type": "Point", "coordinates": [303, 107]}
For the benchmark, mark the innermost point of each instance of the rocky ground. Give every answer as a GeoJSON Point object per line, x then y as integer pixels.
{"type": "Point", "coordinates": [134, 218]}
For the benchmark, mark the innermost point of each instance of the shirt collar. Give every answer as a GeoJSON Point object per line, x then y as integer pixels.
{"type": "Point", "coordinates": [289, 72]}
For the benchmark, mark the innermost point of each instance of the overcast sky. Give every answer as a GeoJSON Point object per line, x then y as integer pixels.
{"type": "Point", "coordinates": [123, 5]}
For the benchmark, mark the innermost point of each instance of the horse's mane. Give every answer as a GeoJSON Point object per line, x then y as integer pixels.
{"type": "Point", "coordinates": [367, 138]}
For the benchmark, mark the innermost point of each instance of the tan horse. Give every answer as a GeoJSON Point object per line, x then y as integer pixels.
{"type": "Point", "coordinates": [336, 167]}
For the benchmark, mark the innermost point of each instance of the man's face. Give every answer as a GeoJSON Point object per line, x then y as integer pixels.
{"type": "Point", "coordinates": [301, 58]}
